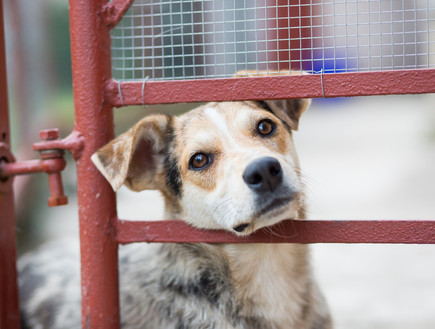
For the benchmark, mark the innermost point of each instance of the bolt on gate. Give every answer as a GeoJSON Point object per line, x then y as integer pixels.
{"type": "Point", "coordinates": [142, 52]}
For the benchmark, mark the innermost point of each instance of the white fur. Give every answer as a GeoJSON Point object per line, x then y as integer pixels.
{"type": "Point", "coordinates": [262, 278]}
{"type": "Point", "coordinates": [220, 123]}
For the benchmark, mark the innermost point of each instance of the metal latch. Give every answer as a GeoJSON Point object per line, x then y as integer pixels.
{"type": "Point", "coordinates": [51, 151]}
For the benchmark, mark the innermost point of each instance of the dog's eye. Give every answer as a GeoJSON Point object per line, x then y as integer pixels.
{"type": "Point", "coordinates": [266, 127]}
{"type": "Point", "coordinates": [199, 161]}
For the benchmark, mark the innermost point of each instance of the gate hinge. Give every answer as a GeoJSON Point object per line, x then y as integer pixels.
{"type": "Point", "coordinates": [51, 150]}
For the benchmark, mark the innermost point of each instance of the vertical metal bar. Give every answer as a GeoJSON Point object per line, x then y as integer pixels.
{"type": "Point", "coordinates": [9, 310]}
{"type": "Point", "coordinates": [90, 50]}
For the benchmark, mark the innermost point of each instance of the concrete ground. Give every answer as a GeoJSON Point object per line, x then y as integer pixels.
{"type": "Point", "coordinates": [362, 158]}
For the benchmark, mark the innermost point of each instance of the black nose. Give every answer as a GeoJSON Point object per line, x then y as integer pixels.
{"type": "Point", "coordinates": [263, 175]}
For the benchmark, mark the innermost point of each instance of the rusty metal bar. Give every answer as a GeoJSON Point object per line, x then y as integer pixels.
{"type": "Point", "coordinates": [9, 310]}
{"type": "Point", "coordinates": [277, 87]}
{"type": "Point", "coordinates": [290, 231]}
{"type": "Point", "coordinates": [90, 50]}
{"type": "Point", "coordinates": [31, 166]}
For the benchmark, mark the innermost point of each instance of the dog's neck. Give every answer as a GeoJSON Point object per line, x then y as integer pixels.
{"type": "Point", "coordinates": [264, 275]}
{"type": "Point", "coordinates": [270, 280]}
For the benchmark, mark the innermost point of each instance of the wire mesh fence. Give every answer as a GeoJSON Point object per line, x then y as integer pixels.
{"type": "Point", "coordinates": [193, 39]}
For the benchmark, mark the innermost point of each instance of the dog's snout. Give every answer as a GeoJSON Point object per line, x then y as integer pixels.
{"type": "Point", "coordinates": [263, 175]}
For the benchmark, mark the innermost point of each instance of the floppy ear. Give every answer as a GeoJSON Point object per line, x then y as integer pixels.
{"type": "Point", "coordinates": [288, 110]}
{"type": "Point", "coordinates": [136, 158]}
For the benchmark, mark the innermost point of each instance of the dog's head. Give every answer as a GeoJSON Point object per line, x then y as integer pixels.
{"type": "Point", "coordinates": [228, 165]}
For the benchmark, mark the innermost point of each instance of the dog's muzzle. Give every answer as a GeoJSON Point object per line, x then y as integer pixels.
{"type": "Point", "coordinates": [263, 175]}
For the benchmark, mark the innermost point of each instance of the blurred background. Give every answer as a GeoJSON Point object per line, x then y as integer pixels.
{"type": "Point", "coordinates": [362, 158]}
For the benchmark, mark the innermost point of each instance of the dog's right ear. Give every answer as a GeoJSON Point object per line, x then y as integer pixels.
{"type": "Point", "coordinates": [288, 110]}
{"type": "Point", "coordinates": [136, 158]}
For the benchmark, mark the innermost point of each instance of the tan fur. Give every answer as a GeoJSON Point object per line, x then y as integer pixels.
{"type": "Point", "coordinates": [198, 136]}
{"type": "Point", "coordinates": [260, 286]}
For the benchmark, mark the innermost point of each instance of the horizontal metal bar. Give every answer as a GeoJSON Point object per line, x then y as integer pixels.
{"type": "Point", "coordinates": [32, 166]}
{"type": "Point", "coordinates": [276, 87]}
{"type": "Point", "coordinates": [290, 231]}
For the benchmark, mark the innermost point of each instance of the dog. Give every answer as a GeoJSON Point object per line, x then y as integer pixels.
{"type": "Point", "coordinates": [227, 166]}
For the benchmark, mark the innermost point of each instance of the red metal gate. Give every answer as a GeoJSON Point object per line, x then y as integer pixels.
{"type": "Point", "coordinates": [8, 287]}
{"type": "Point", "coordinates": [95, 95]}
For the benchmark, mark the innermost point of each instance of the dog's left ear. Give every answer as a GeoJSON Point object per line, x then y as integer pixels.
{"type": "Point", "coordinates": [136, 158]}
{"type": "Point", "coordinates": [288, 110]}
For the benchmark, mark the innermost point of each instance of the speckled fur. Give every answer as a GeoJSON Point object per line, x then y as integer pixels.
{"type": "Point", "coordinates": [192, 286]}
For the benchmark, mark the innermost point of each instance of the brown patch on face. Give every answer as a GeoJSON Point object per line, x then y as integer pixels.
{"type": "Point", "coordinates": [279, 141]}
{"type": "Point", "coordinates": [195, 134]}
